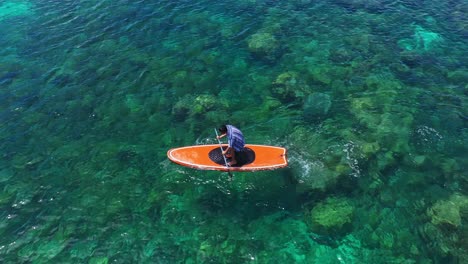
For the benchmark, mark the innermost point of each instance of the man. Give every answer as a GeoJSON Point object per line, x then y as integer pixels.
{"type": "Point", "coordinates": [236, 142]}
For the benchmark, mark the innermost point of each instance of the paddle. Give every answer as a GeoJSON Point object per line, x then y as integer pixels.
{"type": "Point", "coordinates": [224, 157]}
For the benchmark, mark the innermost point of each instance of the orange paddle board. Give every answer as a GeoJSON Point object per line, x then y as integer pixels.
{"type": "Point", "coordinates": [208, 157]}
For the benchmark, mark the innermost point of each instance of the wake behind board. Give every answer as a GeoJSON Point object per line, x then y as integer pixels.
{"type": "Point", "coordinates": [209, 157]}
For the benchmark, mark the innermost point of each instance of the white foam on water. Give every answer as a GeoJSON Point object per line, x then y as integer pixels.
{"type": "Point", "coordinates": [351, 158]}
{"type": "Point", "coordinates": [309, 171]}
{"type": "Point", "coordinates": [302, 161]}
{"type": "Point", "coordinates": [428, 134]}
{"type": "Point", "coordinates": [206, 141]}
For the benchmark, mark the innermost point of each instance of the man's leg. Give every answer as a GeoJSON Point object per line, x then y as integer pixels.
{"type": "Point", "coordinates": [232, 154]}
{"type": "Point", "coordinates": [229, 153]}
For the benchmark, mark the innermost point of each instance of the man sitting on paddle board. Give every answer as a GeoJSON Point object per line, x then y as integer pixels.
{"type": "Point", "coordinates": [236, 142]}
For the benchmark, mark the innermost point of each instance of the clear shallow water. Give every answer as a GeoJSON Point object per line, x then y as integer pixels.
{"type": "Point", "coordinates": [368, 97]}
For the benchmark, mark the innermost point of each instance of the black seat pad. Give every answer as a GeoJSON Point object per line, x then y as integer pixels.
{"type": "Point", "coordinates": [243, 157]}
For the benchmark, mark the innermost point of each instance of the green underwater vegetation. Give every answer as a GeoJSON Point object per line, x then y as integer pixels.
{"type": "Point", "coordinates": [369, 98]}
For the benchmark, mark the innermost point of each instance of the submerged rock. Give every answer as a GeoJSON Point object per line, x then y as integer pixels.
{"type": "Point", "coordinates": [99, 260]}
{"type": "Point", "coordinates": [370, 148]}
{"type": "Point", "coordinates": [458, 76]}
{"type": "Point", "coordinates": [449, 212]}
{"type": "Point", "coordinates": [263, 44]}
{"type": "Point", "coordinates": [458, 18]}
{"type": "Point", "coordinates": [190, 106]}
{"type": "Point", "coordinates": [25, 161]}
{"type": "Point", "coordinates": [316, 106]}
{"type": "Point", "coordinates": [447, 227]}
{"type": "Point", "coordinates": [14, 8]}
{"type": "Point", "coordinates": [133, 103]}
{"type": "Point", "coordinates": [203, 103]}
{"type": "Point", "coordinates": [288, 86]}
{"type": "Point", "coordinates": [331, 215]}
{"type": "Point", "coordinates": [374, 6]}
{"type": "Point", "coordinates": [5, 175]}
{"type": "Point", "coordinates": [423, 40]}
{"type": "Point", "coordinates": [83, 249]}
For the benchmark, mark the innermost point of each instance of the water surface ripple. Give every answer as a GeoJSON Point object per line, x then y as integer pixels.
{"type": "Point", "coordinates": [369, 98]}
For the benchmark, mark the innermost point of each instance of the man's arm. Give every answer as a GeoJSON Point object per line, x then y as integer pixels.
{"type": "Point", "coordinates": [226, 150]}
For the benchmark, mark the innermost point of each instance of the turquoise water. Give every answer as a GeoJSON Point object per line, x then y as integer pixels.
{"type": "Point", "coordinates": [369, 98]}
